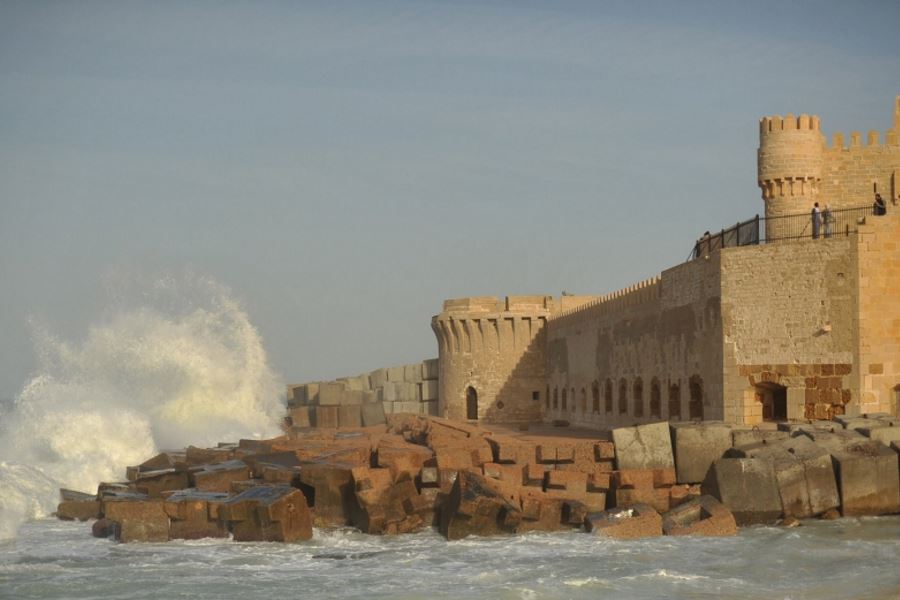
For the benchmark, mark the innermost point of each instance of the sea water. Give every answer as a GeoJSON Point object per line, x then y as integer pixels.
{"type": "Point", "coordinates": [821, 560]}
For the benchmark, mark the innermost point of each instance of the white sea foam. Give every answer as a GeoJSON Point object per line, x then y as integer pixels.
{"type": "Point", "coordinates": [185, 366]}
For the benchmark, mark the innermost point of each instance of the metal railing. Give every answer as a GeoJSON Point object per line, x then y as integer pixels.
{"type": "Point", "coordinates": [761, 230]}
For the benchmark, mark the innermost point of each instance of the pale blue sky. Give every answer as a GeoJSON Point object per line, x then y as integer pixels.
{"type": "Point", "coordinates": [344, 167]}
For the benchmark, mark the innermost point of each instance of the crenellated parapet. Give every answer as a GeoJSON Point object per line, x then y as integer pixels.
{"type": "Point", "coordinates": [639, 293]}
{"type": "Point", "coordinates": [491, 356]}
{"type": "Point", "coordinates": [790, 161]}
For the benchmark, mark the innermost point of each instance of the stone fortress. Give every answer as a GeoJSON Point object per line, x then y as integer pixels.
{"type": "Point", "coordinates": [800, 328]}
{"type": "Point", "coordinates": [775, 326]}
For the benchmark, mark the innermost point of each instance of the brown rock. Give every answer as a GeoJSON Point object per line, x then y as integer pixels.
{"type": "Point", "coordinates": [268, 514]}
{"type": "Point", "coordinates": [700, 516]}
{"type": "Point", "coordinates": [78, 510]}
{"type": "Point", "coordinates": [154, 483]}
{"type": "Point", "coordinates": [218, 477]}
{"type": "Point", "coordinates": [137, 520]}
{"type": "Point", "coordinates": [638, 521]}
{"type": "Point", "coordinates": [405, 460]}
{"type": "Point", "coordinates": [195, 514]}
{"type": "Point", "coordinates": [329, 487]}
{"type": "Point", "coordinates": [477, 506]}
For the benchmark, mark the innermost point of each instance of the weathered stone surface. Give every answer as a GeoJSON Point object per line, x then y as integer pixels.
{"type": "Point", "coordinates": [268, 514]}
{"type": "Point", "coordinates": [218, 477]}
{"type": "Point", "coordinates": [327, 417]}
{"type": "Point", "coordinates": [78, 510]}
{"type": "Point", "coordinates": [154, 483]}
{"type": "Point", "coordinates": [137, 520]}
{"type": "Point", "coordinates": [867, 473]}
{"type": "Point", "coordinates": [804, 473]}
{"type": "Point", "coordinates": [696, 446]}
{"type": "Point", "coordinates": [389, 507]}
{"type": "Point", "coordinates": [644, 447]}
{"type": "Point", "coordinates": [881, 433]}
{"type": "Point", "coordinates": [350, 416]}
{"type": "Point", "coordinates": [747, 487]}
{"type": "Point", "coordinates": [300, 416]}
{"type": "Point", "coordinates": [700, 516]}
{"type": "Point", "coordinates": [194, 515]}
{"type": "Point", "coordinates": [477, 506]}
{"type": "Point", "coordinates": [745, 437]}
{"type": "Point", "coordinates": [638, 521]}
{"type": "Point", "coordinates": [204, 456]}
{"type": "Point", "coordinates": [331, 394]}
{"type": "Point", "coordinates": [103, 528]}
{"type": "Point", "coordinates": [405, 460]}
{"type": "Point", "coordinates": [329, 487]}
{"type": "Point", "coordinates": [373, 414]}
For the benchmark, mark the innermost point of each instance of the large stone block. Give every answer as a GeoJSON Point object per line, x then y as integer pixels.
{"type": "Point", "coordinates": [154, 483]}
{"type": "Point", "coordinates": [430, 369]}
{"type": "Point", "coordinates": [396, 374]}
{"type": "Point", "coordinates": [429, 408]}
{"type": "Point", "coordinates": [406, 407]}
{"type": "Point", "coordinates": [331, 394]}
{"type": "Point", "coordinates": [194, 515]}
{"type": "Point", "coordinates": [478, 506]}
{"type": "Point", "coordinates": [137, 520]}
{"type": "Point", "coordinates": [268, 513]}
{"type": "Point", "coordinates": [378, 378]}
{"type": "Point", "coordinates": [218, 477]}
{"type": "Point", "coordinates": [350, 416]}
{"type": "Point", "coordinates": [330, 489]}
{"type": "Point", "coordinates": [388, 506]}
{"type": "Point", "coordinates": [327, 417]}
{"type": "Point", "coordinates": [745, 437]}
{"type": "Point", "coordinates": [413, 373]}
{"type": "Point", "coordinates": [804, 473]}
{"type": "Point", "coordinates": [631, 523]}
{"type": "Point", "coordinates": [80, 507]}
{"type": "Point", "coordinates": [881, 433]}
{"type": "Point", "coordinates": [429, 390]}
{"type": "Point", "coordinates": [300, 416]}
{"type": "Point", "coordinates": [747, 487]}
{"type": "Point", "coordinates": [644, 447]}
{"type": "Point", "coordinates": [696, 446]}
{"type": "Point", "coordinates": [700, 516]}
{"type": "Point", "coordinates": [866, 470]}
{"type": "Point", "coordinates": [373, 414]}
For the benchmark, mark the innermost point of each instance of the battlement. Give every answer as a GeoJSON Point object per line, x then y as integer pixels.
{"type": "Point", "coordinates": [492, 304]}
{"type": "Point", "coordinates": [873, 140]}
{"type": "Point", "coordinates": [639, 293]}
{"type": "Point", "coordinates": [778, 124]}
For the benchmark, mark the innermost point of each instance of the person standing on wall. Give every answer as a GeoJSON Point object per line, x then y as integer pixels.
{"type": "Point", "coordinates": [879, 208]}
{"type": "Point", "coordinates": [816, 221]}
{"type": "Point", "coordinates": [828, 219]}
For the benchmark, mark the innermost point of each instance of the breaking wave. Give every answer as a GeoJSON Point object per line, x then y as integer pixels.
{"type": "Point", "coordinates": [176, 364]}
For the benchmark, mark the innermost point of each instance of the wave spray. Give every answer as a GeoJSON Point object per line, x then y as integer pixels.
{"type": "Point", "coordinates": [177, 364]}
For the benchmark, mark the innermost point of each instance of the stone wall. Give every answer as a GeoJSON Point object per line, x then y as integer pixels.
{"type": "Point", "coordinates": [650, 352]}
{"type": "Point", "coordinates": [409, 388]}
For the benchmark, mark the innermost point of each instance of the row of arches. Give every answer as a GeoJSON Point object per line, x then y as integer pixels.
{"type": "Point", "coordinates": [629, 399]}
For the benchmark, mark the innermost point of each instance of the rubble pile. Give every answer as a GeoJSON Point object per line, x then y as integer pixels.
{"type": "Point", "coordinates": [412, 472]}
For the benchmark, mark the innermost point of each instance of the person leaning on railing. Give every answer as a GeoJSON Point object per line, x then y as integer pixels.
{"type": "Point", "coordinates": [879, 208]}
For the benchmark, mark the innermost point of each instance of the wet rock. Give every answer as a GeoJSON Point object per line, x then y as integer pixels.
{"type": "Point", "coordinates": [830, 515]}
{"type": "Point", "coordinates": [638, 521]}
{"type": "Point", "coordinates": [77, 506]}
{"type": "Point", "coordinates": [700, 516]}
{"type": "Point", "coordinates": [643, 486]}
{"type": "Point", "coordinates": [329, 487]}
{"type": "Point", "coordinates": [747, 487]}
{"type": "Point", "coordinates": [219, 477]}
{"type": "Point", "coordinates": [644, 447]}
{"type": "Point", "coordinates": [477, 506]}
{"type": "Point", "coordinates": [137, 520]}
{"type": "Point", "coordinates": [696, 446]}
{"type": "Point", "coordinates": [790, 522]}
{"type": "Point", "coordinates": [154, 483]}
{"type": "Point", "coordinates": [405, 460]}
{"type": "Point", "coordinates": [102, 528]}
{"type": "Point", "coordinates": [268, 514]}
{"type": "Point", "coordinates": [390, 507]}
{"type": "Point", "coordinates": [803, 471]}
{"type": "Point", "coordinates": [194, 514]}
{"type": "Point", "coordinates": [867, 473]}
{"type": "Point", "coordinates": [204, 456]}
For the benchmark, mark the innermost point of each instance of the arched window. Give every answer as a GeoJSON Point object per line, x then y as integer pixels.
{"type": "Point", "coordinates": [573, 399]}
{"type": "Point", "coordinates": [674, 402]}
{"type": "Point", "coordinates": [595, 393]}
{"type": "Point", "coordinates": [655, 400]}
{"type": "Point", "coordinates": [608, 397]}
{"type": "Point", "coordinates": [471, 404]}
{"type": "Point", "coordinates": [565, 403]}
{"type": "Point", "coordinates": [638, 397]}
{"type": "Point", "coordinates": [555, 398]}
{"type": "Point", "coordinates": [583, 402]}
{"type": "Point", "coordinates": [547, 399]}
{"type": "Point", "coordinates": [695, 405]}
{"type": "Point", "coordinates": [623, 397]}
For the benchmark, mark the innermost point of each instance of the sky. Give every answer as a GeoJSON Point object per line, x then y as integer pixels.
{"type": "Point", "coordinates": [344, 167]}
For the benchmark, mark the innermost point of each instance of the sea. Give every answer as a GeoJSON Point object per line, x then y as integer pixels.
{"type": "Point", "coordinates": [176, 361]}
{"type": "Point", "coordinates": [856, 558]}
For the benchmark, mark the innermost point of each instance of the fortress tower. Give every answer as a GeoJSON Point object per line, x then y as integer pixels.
{"type": "Point", "coordinates": [790, 165]}
{"type": "Point", "coordinates": [492, 357]}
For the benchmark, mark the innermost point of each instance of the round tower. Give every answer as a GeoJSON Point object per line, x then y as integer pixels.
{"type": "Point", "coordinates": [492, 358]}
{"type": "Point", "coordinates": [790, 160]}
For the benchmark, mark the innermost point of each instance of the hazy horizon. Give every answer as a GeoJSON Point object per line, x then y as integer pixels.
{"type": "Point", "coordinates": [344, 168]}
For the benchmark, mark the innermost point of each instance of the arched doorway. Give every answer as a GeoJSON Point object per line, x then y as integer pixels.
{"type": "Point", "coordinates": [471, 404]}
{"type": "Point", "coordinates": [774, 400]}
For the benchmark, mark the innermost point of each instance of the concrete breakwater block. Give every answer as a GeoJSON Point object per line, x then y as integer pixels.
{"type": "Point", "coordinates": [884, 432]}
{"type": "Point", "coordinates": [478, 505]}
{"type": "Point", "coordinates": [194, 515]}
{"type": "Point", "coordinates": [803, 470]}
{"type": "Point", "coordinates": [137, 520]}
{"type": "Point", "coordinates": [696, 446]}
{"type": "Point", "coordinates": [638, 521]}
{"type": "Point", "coordinates": [373, 414]}
{"type": "Point", "coordinates": [219, 476]}
{"type": "Point", "coordinates": [747, 487]}
{"type": "Point", "coordinates": [700, 516]}
{"type": "Point", "coordinates": [866, 470]}
{"type": "Point", "coordinates": [265, 513]}
{"type": "Point", "coordinates": [644, 447]}
{"type": "Point", "coordinates": [745, 437]}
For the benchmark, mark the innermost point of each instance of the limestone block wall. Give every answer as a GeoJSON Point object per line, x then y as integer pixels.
{"type": "Point", "coordinates": [647, 353]}
{"type": "Point", "coordinates": [409, 388]}
{"type": "Point", "coordinates": [491, 357]}
{"type": "Point", "coordinates": [789, 324]}
{"type": "Point", "coordinates": [876, 252]}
